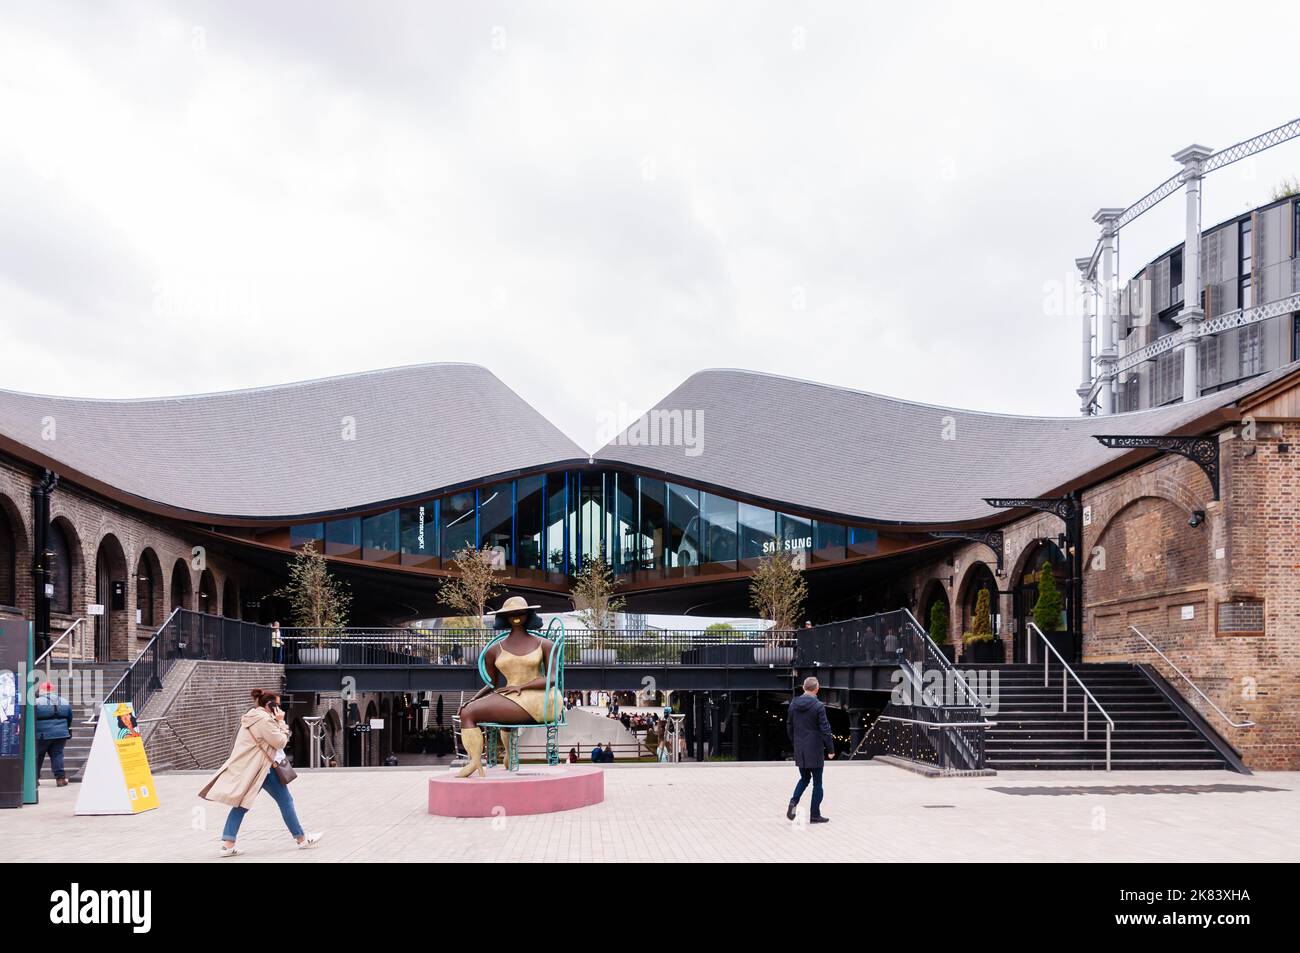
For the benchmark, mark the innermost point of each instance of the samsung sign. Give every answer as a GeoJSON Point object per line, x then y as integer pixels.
{"type": "Point", "coordinates": [787, 545]}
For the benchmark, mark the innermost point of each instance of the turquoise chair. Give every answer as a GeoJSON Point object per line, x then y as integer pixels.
{"type": "Point", "coordinates": [552, 720]}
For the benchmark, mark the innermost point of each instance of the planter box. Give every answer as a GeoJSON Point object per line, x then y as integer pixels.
{"type": "Point", "coordinates": [982, 653]}
{"type": "Point", "coordinates": [949, 651]}
{"type": "Point", "coordinates": [774, 655]}
{"type": "Point", "coordinates": [318, 656]}
{"type": "Point", "coordinates": [1067, 643]}
{"type": "Point", "coordinates": [597, 656]}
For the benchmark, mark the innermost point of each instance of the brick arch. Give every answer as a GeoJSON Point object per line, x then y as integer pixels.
{"type": "Point", "coordinates": [1158, 549]}
{"type": "Point", "coordinates": [15, 552]}
{"type": "Point", "coordinates": [1177, 495]}
{"type": "Point", "coordinates": [229, 595]}
{"type": "Point", "coordinates": [111, 628]}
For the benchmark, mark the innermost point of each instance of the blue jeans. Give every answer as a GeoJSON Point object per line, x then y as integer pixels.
{"type": "Point", "coordinates": [815, 776]}
{"type": "Point", "coordinates": [55, 747]}
{"type": "Point", "coordinates": [272, 786]}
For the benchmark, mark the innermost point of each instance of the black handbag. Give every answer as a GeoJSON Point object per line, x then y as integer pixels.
{"type": "Point", "coordinates": [284, 771]}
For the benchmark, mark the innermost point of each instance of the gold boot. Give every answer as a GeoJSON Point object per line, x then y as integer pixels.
{"type": "Point", "coordinates": [472, 738]}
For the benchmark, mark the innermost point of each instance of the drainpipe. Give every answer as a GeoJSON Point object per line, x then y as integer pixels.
{"type": "Point", "coordinates": [40, 557]}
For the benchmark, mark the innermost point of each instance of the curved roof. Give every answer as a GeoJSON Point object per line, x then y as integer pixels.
{"type": "Point", "coordinates": [281, 451]}
{"type": "Point", "coordinates": [879, 459]}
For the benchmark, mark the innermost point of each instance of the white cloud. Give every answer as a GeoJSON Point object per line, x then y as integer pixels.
{"type": "Point", "coordinates": [594, 200]}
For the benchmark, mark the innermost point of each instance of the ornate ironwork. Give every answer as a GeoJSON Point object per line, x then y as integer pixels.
{"type": "Point", "coordinates": [991, 538]}
{"type": "Point", "coordinates": [1203, 451]}
{"type": "Point", "coordinates": [1064, 507]}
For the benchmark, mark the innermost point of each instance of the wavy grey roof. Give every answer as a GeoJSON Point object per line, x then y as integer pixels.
{"type": "Point", "coordinates": [877, 458]}
{"type": "Point", "coordinates": [281, 451]}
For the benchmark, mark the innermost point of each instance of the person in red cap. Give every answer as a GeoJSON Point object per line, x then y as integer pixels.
{"type": "Point", "coordinates": [53, 729]}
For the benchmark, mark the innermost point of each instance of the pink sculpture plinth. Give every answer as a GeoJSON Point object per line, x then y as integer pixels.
{"type": "Point", "coordinates": [533, 789]}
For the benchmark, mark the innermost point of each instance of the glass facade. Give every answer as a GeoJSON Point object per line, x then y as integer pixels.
{"type": "Point", "coordinates": [544, 526]}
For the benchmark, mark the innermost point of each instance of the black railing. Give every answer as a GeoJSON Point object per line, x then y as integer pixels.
{"type": "Point", "coordinates": [948, 737]}
{"type": "Point", "coordinates": [596, 647]}
{"type": "Point", "coordinates": [192, 635]}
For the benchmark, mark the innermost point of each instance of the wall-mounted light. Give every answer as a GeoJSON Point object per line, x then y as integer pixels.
{"type": "Point", "coordinates": [1196, 519]}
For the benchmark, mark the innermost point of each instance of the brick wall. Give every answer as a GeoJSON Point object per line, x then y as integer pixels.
{"type": "Point", "coordinates": [89, 523]}
{"type": "Point", "coordinates": [203, 702]}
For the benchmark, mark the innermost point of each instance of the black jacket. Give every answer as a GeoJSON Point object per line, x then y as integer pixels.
{"type": "Point", "coordinates": [810, 731]}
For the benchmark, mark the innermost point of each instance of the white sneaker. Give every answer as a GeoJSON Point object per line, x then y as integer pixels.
{"type": "Point", "coordinates": [230, 851]}
{"type": "Point", "coordinates": [309, 840]}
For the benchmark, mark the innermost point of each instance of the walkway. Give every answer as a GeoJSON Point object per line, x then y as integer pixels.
{"type": "Point", "coordinates": [718, 812]}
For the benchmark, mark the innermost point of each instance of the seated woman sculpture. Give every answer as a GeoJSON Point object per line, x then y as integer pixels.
{"type": "Point", "coordinates": [520, 660]}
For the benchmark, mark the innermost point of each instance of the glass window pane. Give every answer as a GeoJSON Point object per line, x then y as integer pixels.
{"type": "Point", "coordinates": [456, 516]}
{"type": "Point", "coordinates": [863, 542]}
{"type": "Point", "coordinates": [307, 533]}
{"type": "Point", "coordinates": [379, 537]}
{"type": "Point", "coordinates": [556, 507]}
{"type": "Point", "coordinates": [795, 533]}
{"type": "Point", "coordinates": [650, 538]}
{"type": "Point", "coordinates": [530, 523]}
{"type": "Point", "coordinates": [828, 540]}
{"type": "Point", "coordinates": [683, 527]}
{"type": "Point", "coordinates": [719, 529]}
{"type": "Point", "coordinates": [343, 538]}
{"type": "Point", "coordinates": [495, 520]}
{"type": "Point", "coordinates": [591, 514]}
{"type": "Point", "coordinates": [625, 515]}
{"type": "Point", "coordinates": [757, 530]}
{"type": "Point", "coordinates": [419, 529]}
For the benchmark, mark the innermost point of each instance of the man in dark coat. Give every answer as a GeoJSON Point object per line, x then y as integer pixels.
{"type": "Point", "coordinates": [810, 731]}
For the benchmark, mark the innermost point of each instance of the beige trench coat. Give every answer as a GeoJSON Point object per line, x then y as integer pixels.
{"type": "Point", "coordinates": [238, 781]}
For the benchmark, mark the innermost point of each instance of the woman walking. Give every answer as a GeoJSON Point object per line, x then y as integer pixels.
{"type": "Point", "coordinates": [251, 767]}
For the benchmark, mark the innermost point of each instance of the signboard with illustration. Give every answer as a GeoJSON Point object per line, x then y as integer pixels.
{"type": "Point", "coordinates": [117, 778]}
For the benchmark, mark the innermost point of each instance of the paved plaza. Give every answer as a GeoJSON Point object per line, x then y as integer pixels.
{"type": "Point", "coordinates": [716, 812]}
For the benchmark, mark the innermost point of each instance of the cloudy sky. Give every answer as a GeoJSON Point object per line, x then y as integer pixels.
{"type": "Point", "coordinates": [596, 199]}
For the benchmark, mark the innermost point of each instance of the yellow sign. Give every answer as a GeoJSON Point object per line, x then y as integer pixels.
{"type": "Point", "coordinates": [117, 778]}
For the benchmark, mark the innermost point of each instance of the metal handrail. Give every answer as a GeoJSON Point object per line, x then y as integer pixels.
{"type": "Point", "coordinates": [1065, 690]}
{"type": "Point", "coordinates": [37, 665]}
{"type": "Point", "coordinates": [1195, 688]}
{"type": "Point", "coordinates": [127, 674]}
{"type": "Point", "coordinates": [176, 734]}
{"type": "Point", "coordinates": [943, 660]}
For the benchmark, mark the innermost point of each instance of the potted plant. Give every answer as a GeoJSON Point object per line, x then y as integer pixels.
{"type": "Point", "coordinates": [1047, 616]}
{"type": "Point", "coordinates": [318, 604]}
{"type": "Point", "coordinates": [979, 646]}
{"type": "Point", "coordinates": [778, 591]}
{"type": "Point", "coordinates": [939, 629]}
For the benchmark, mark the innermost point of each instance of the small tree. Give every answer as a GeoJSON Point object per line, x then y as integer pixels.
{"type": "Point", "coordinates": [474, 585]}
{"type": "Point", "coordinates": [1047, 610]}
{"type": "Point", "coordinates": [777, 591]}
{"type": "Point", "coordinates": [593, 594]}
{"type": "Point", "coordinates": [939, 621]}
{"type": "Point", "coordinates": [317, 600]}
{"type": "Point", "coordinates": [982, 624]}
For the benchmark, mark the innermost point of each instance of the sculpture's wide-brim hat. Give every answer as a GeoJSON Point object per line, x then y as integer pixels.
{"type": "Point", "coordinates": [513, 604]}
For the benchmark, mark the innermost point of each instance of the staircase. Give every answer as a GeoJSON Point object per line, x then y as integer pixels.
{"type": "Point", "coordinates": [77, 748]}
{"type": "Point", "coordinates": [1032, 733]}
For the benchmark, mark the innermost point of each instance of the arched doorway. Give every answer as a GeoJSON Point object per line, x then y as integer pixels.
{"type": "Point", "coordinates": [208, 593]}
{"type": "Point", "coordinates": [1025, 596]}
{"type": "Point", "coordinates": [931, 596]}
{"type": "Point", "coordinates": [148, 589]}
{"type": "Point", "coordinates": [63, 562]}
{"type": "Point", "coordinates": [110, 593]}
{"type": "Point", "coordinates": [980, 579]}
{"type": "Point", "coordinates": [230, 599]}
{"type": "Point", "coordinates": [11, 544]}
{"type": "Point", "coordinates": [182, 590]}
{"type": "Point", "coordinates": [371, 756]}
{"type": "Point", "coordinates": [330, 743]}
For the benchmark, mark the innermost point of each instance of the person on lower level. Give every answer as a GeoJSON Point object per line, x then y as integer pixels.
{"type": "Point", "coordinates": [810, 730]}
{"type": "Point", "coordinates": [53, 729]}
